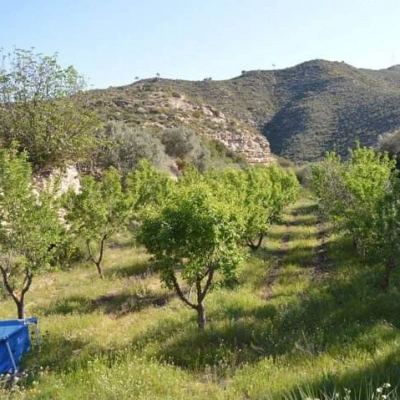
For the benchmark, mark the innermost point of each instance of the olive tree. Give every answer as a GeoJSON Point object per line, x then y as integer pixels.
{"type": "Point", "coordinates": [180, 142]}
{"type": "Point", "coordinates": [29, 226]}
{"type": "Point", "coordinates": [390, 142]}
{"type": "Point", "coordinates": [186, 145]}
{"type": "Point", "coordinates": [192, 237]}
{"type": "Point", "coordinates": [41, 109]}
{"type": "Point", "coordinates": [123, 147]}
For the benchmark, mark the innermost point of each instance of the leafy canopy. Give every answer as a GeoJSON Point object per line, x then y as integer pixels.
{"type": "Point", "coordinates": [361, 197]}
{"type": "Point", "coordinates": [123, 147]}
{"type": "Point", "coordinates": [195, 234]}
{"type": "Point", "coordinates": [29, 225]}
{"type": "Point", "coordinates": [259, 195]}
{"type": "Point", "coordinates": [352, 192]}
{"type": "Point", "coordinates": [98, 211]}
{"type": "Point", "coordinates": [40, 108]}
{"type": "Point", "coordinates": [146, 186]}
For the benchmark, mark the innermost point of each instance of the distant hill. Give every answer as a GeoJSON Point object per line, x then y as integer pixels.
{"type": "Point", "coordinates": [303, 111]}
{"type": "Point", "coordinates": [155, 105]}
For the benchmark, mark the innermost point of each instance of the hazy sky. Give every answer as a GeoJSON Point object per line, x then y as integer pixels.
{"type": "Point", "coordinates": [113, 41]}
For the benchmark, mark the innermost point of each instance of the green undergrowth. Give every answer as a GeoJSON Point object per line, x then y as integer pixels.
{"type": "Point", "coordinates": [305, 319]}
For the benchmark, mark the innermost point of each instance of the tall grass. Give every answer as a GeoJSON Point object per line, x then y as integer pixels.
{"type": "Point", "coordinates": [296, 325]}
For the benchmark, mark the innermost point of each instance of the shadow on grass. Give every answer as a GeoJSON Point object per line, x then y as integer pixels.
{"type": "Point", "coordinates": [294, 235]}
{"type": "Point", "coordinates": [362, 383]}
{"type": "Point", "coordinates": [303, 254]}
{"type": "Point", "coordinates": [122, 304]}
{"type": "Point", "coordinates": [121, 243]}
{"type": "Point", "coordinates": [305, 209]}
{"type": "Point", "coordinates": [304, 215]}
{"type": "Point", "coordinates": [342, 312]}
{"type": "Point", "coordinates": [306, 221]}
{"type": "Point", "coordinates": [140, 269]}
{"type": "Point", "coordinates": [56, 353]}
{"type": "Point", "coordinates": [117, 304]}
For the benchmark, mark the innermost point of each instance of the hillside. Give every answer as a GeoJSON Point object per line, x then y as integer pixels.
{"type": "Point", "coordinates": [303, 111]}
{"type": "Point", "coordinates": [155, 105]}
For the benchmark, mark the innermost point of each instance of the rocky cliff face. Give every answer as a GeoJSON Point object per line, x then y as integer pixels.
{"type": "Point", "coordinates": [147, 106]}
{"type": "Point", "coordinates": [65, 180]}
{"type": "Point", "coordinates": [254, 147]}
{"type": "Point", "coordinates": [234, 136]}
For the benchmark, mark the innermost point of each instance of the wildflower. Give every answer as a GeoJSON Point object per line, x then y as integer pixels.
{"type": "Point", "coordinates": [386, 385]}
{"type": "Point", "coordinates": [379, 390]}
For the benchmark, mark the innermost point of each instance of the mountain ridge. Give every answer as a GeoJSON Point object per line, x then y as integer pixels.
{"type": "Point", "coordinates": [303, 111]}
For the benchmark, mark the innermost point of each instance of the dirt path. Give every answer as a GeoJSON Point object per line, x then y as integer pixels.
{"type": "Point", "coordinates": [321, 259]}
{"type": "Point", "coordinates": [316, 261]}
{"type": "Point", "coordinates": [274, 271]}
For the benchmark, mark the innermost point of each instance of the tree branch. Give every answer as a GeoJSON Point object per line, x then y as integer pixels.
{"type": "Point", "coordinates": [7, 285]}
{"type": "Point", "coordinates": [208, 284]}
{"type": "Point", "coordinates": [199, 291]}
{"type": "Point", "coordinates": [27, 283]}
{"type": "Point", "coordinates": [104, 238]}
{"type": "Point", "coordinates": [180, 293]}
{"type": "Point", "coordinates": [255, 246]}
{"type": "Point", "coordinates": [91, 258]}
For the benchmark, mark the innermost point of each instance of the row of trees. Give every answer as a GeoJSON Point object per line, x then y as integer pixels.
{"type": "Point", "coordinates": [361, 197]}
{"type": "Point", "coordinates": [203, 224]}
{"type": "Point", "coordinates": [196, 227]}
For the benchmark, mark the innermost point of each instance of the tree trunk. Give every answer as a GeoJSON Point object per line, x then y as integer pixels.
{"type": "Point", "coordinates": [21, 309]}
{"type": "Point", "coordinates": [357, 243]}
{"type": "Point", "coordinates": [255, 246]}
{"type": "Point", "coordinates": [386, 277]}
{"type": "Point", "coordinates": [201, 294]}
{"type": "Point", "coordinates": [100, 257]}
{"type": "Point", "coordinates": [19, 301]}
{"type": "Point", "coordinates": [201, 316]}
{"type": "Point", "coordinates": [99, 270]}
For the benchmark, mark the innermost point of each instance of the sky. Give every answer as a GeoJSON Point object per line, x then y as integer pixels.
{"type": "Point", "coordinates": [111, 42]}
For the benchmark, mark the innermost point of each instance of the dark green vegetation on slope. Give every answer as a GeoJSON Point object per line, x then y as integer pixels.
{"type": "Point", "coordinates": [304, 111]}
{"type": "Point", "coordinates": [306, 316]}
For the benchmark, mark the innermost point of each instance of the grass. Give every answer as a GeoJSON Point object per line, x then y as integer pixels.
{"type": "Point", "coordinates": [291, 328]}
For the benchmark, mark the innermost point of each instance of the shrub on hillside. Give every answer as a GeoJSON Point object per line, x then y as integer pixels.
{"type": "Point", "coordinates": [123, 147]}
{"type": "Point", "coordinates": [304, 175]}
{"type": "Point", "coordinates": [186, 145]}
{"type": "Point", "coordinates": [390, 142]}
